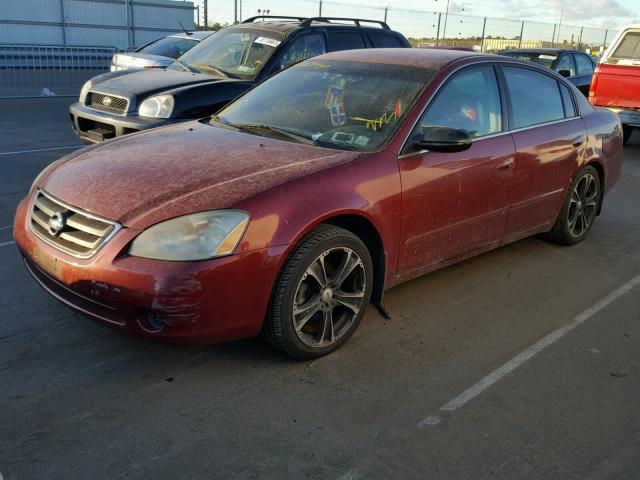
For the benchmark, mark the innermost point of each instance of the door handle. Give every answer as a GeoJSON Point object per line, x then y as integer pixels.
{"type": "Point", "coordinates": [578, 141]}
{"type": "Point", "coordinates": [508, 163]}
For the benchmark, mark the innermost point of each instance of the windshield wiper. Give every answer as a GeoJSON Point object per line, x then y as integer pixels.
{"type": "Point", "coordinates": [280, 131]}
{"type": "Point", "coordinates": [184, 66]}
{"type": "Point", "coordinates": [217, 70]}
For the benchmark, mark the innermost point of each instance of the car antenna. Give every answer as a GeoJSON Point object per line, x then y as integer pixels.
{"type": "Point", "coordinates": [185, 30]}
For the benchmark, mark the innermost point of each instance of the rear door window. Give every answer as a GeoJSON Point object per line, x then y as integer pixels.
{"type": "Point", "coordinates": [169, 47]}
{"type": "Point", "coordinates": [584, 65]}
{"type": "Point", "coordinates": [566, 63]}
{"type": "Point", "coordinates": [345, 41]}
{"type": "Point", "coordinates": [629, 47]}
{"type": "Point", "coordinates": [535, 97]}
{"type": "Point", "coordinates": [385, 40]}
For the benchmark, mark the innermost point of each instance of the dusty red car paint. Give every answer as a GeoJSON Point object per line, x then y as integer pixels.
{"type": "Point", "coordinates": [426, 210]}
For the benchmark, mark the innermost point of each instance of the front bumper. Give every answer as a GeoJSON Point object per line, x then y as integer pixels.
{"type": "Point", "coordinates": [627, 117]}
{"type": "Point", "coordinates": [198, 302]}
{"type": "Point", "coordinates": [94, 126]}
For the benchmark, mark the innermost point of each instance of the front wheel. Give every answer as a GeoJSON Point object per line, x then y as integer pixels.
{"type": "Point", "coordinates": [321, 294]}
{"type": "Point", "coordinates": [579, 209]}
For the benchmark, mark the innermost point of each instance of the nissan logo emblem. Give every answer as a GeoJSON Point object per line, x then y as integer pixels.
{"type": "Point", "coordinates": [106, 101]}
{"type": "Point", "coordinates": [56, 223]}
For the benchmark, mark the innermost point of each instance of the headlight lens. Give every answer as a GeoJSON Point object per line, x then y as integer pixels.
{"type": "Point", "coordinates": [84, 90]}
{"type": "Point", "coordinates": [160, 106]}
{"type": "Point", "coordinates": [199, 236]}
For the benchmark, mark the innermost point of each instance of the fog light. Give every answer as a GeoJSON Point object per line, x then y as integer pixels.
{"type": "Point", "coordinates": [152, 323]}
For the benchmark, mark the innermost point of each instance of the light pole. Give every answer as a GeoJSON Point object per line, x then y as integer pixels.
{"type": "Point", "coordinates": [446, 16]}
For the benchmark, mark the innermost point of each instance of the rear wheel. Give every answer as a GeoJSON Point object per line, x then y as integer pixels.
{"type": "Point", "coordinates": [579, 209]}
{"type": "Point", "coordinates": [626, 133]}
{"type": "Point", "coordinates": [321, 294]}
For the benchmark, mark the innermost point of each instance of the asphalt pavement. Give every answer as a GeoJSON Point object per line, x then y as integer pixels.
{"type": "Point", "coordinates": [522, 363]}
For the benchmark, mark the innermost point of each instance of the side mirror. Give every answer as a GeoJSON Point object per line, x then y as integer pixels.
{"type": "Point", "coordinates": [565, 73]}
{"type": "Point", "coordinates": [442, 139]}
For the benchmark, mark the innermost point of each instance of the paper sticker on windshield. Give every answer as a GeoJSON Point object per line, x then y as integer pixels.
{"type": "Point", "coordinates": [361, 141]}
{"type": "Point", "coordinates": [272, 42]}
{"type": "Point", "coordinates": [547, 57]}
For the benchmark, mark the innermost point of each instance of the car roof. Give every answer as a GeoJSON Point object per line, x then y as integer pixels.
{"type": "Point", "coordinates": [426, 58]}
{"type": "Point", "coordinates": [201, 35]}
{"type": "Point", "coordinates": [556, 51]}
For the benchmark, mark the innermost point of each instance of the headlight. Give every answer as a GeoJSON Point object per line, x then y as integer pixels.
{"type": "Point", "coordinates": [84, 90]}
{"type": "Point", "coordinates": [160, 106]}
{"type": "Point", "coordinates": [199, 236]}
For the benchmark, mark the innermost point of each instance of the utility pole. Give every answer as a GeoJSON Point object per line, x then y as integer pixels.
{"type": "Point", "coordinates": [446, 16]}
{"type": "Point", "coordinates": [235, 11]}
{"type": "Point", "coordinates": [521, 32]}
{"type": "Point", "coordinates": [206, 14]}
{"type": "Point", "coordinates": [484, 26]}
{"type": "Point", "coordinates": [560, 24]}
{"type": "Point", "coordinates": [320, 9]}
{"type": "Point", "coordinates": [438, 31]}
{"type": "Point", "coordinates": [553, 36]}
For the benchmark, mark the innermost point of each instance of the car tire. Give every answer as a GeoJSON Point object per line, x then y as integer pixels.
{"type": "Point", "coordinates": [321, 293]}
{"type": "Point", "coordinates": [579, 209]}
{"type": "Point", "coordinates": [626, 134]}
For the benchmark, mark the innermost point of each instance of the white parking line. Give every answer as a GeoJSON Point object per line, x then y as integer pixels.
{"type": "Point", "coordinates": [4, 244]}
{"type": "Point", "coordinates": [41, 150]}
{"type": "Point", "coordinates": [519, 359]}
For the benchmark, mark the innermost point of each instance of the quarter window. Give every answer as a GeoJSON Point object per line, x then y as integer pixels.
{"type": "Point", "coordinates": [535, 97]}
{"type": "Point", "coordinates": [345, 41]}
{"type": "Point", "coordinates": [566, 63]}
{"type": "Point", "coordinates": [469, 101]}
{"type": "Point", "coordinates": [584, 65]}
{"type": "Point", "coordinates": [384, 40]}
{"type": "Point", "coordinates": [304, 47]}
{"type": "Point", "coordinates": [569, 107]}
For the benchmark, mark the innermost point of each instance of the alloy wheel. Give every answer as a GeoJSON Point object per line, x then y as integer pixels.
{"type": "Point", "coordinates": [329, 297]}
{"type": "Point", "coordinates": [582, 205]}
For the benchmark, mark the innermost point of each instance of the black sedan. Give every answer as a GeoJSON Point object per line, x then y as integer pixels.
{"type": "Point", "coordinates": [575, 65]}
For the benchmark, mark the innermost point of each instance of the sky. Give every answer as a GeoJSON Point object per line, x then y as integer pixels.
{"type": "Point", "coordinates": [418, 18]}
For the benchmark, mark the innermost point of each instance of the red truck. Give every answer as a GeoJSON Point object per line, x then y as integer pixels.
{"type": "Point", "coordinates": [616, 79]}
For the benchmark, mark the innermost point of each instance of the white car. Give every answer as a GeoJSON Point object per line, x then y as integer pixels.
{"type": "Point", "coordinates": [159, 53]}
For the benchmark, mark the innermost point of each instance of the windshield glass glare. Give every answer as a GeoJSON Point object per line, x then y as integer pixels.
{"type": "Point", "coordinates": [344, 105]}
{"type": "Point", "coordinates": [541, 58]}
{"type": "Point", "coordinates": [234, 52]}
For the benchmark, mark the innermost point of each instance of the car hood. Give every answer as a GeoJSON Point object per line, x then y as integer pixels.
{"type": "Point", "coordinates": [148, 82]}
{"type": "Point", "coordinates": [171, 171]}
{"type": "Point", "coordinates": [140, 59]}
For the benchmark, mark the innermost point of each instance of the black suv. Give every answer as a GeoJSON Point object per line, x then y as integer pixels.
{"type": "Point", "coordinates": [215, 71]}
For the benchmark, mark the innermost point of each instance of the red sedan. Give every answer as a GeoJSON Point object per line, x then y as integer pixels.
{"type": "Point", "coordinates": [309, 196]}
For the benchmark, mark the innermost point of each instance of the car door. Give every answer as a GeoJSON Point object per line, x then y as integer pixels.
{"type": "Point", "coordinates": [453, 203]}
{"type": "Point", "coordinates": [584, 72]}
{"type": "Point", "coordinates": [548, 135]}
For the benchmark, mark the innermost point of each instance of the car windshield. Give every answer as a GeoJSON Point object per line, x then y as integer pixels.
{"type": "Point", "coordinates": [334, 104]}
{"type": "Point", "coordinates": [545, 59]}
{"type": "Point", "coordinates": [169, 47]}
{"type": "Point", "coordinates": [237, 53]}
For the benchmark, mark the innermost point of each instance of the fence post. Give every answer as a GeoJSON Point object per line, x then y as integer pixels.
{"type": "Point", "coordinates": [438, 31]}
{"type": "Point", "coordinates": [198, 16]}
{"type": "Point", "coordinates": [553, 36]}
{"type": "Point", "coordinates": [484, 26]}
{"type": "Point", "coordinates": [521, 32]}
{"type": "Point", "coordinates": [320, 9]}
{"type": "Point", "coordinates": [386, 9]}
{"type": "Point", "coordinates": [62, 22]}
{"type": "Point", "coordinates": [127, 5]}
{"type": "Point", "coordinates": [604, 42]}
{"type": "Point", "coordinates": [580, 38]}
{"type": "Point", "coordinates": [206, 14]}
{"type": "Point", "coordinates": [235, 11]}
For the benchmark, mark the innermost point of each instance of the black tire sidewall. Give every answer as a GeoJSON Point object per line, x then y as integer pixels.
{"type": "Point", "coordinates": [296, 267]}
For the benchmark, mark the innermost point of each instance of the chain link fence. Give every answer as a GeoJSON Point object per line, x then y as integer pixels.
{"type": "Point", "coordinates": [50, 47]}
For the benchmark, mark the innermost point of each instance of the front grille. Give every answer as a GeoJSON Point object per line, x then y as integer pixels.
{"type": "Point", "coordinates": [108, 103]}
{"type": "Point", "coordinates": [77, 232]}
